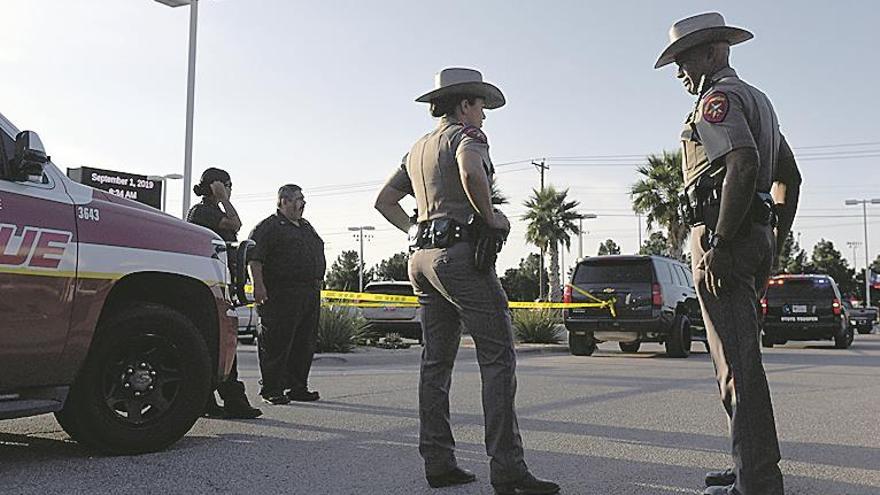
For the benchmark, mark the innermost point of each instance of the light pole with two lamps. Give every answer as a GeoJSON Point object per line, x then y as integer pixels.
{"type": "Point", "coordinates": [162, 179]}
{"type": "Point", "coordinates": [864, 203]}
{"type": "Point", "coordinates": [581, 218]}
{"type": "Point", "coordinates": [360, 234]}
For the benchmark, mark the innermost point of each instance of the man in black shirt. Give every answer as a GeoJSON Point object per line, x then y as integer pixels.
{"type": "Point", "coordinates": [288, 266]}
{"type": "Point", "coordinates": [215, 187]}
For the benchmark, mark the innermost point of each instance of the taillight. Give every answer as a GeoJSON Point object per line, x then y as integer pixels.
{"type": "Point", "coordinates": [835, 306]}
{"type": "Point", "coordinates": [656, 296]}
{"type": "Point", "coordinates": [566, 294]}
{"type": "Point", "coordinates": [764, 306]}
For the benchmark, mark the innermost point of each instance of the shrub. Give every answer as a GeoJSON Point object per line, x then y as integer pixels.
{"type": "Point", "coordinates": [537, 326]}
{"type": "Point", "coordinates": [340, 329]}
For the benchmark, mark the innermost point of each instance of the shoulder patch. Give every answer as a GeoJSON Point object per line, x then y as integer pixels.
{"type": "Point", "coordinates": [475, 133]}
{"type": "Point", "coordinates": [715, 107]}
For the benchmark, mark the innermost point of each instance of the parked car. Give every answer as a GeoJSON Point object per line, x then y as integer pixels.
{"type": "Point", "coordinates": [248, 323]}
{"type": "Point", "coordinates": [655, 302]}
{"type": "Point", "coordinates": [862, 319]}
{"type": "Point", "coordinates": [115, 316]}
{"type": "Point", "coordinates": [403, 320]}
{"type": "Point", "coordinates": [804, 307]}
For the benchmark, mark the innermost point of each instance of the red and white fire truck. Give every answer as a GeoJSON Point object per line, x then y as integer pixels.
{"type": "Point", "coordinates": [114, 316]}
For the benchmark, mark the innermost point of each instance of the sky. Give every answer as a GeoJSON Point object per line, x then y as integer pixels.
{"type": "Point", "coordinates": [321, 94]}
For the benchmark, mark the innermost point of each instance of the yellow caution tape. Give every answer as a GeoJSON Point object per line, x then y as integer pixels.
{"type": "Point", "coordinates": [370, 300]}
{"type": "Point", "coordinates": [363, 299]}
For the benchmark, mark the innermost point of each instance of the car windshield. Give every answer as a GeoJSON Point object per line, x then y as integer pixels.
{"type": "Point", "coordinates": [800, 288]}
{"type": "Point", "coordinates": [614, 272]}
{"type": "Point", "coordinates": [392, 289]}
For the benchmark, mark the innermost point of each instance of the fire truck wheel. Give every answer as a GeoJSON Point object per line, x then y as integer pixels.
{"type": "Point", "coordinates": [144, 384]}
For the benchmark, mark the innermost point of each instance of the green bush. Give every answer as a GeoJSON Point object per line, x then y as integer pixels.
{"type": "Point", "coordinates": [537, 326]}
{"type": "Point", "coordinates": [340, 329]}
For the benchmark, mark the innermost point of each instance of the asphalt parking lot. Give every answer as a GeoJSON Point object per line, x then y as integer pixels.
{"type": "Point", "coordinates": [612, 423]}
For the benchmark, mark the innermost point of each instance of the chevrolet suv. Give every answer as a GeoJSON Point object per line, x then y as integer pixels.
{"type": "Point", "coordinates": [655, 301]}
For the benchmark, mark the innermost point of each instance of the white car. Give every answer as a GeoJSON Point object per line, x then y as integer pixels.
{"type": "Point", "coordinates": [406, 321]}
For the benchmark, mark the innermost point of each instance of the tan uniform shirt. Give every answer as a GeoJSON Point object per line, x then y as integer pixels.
{"type": "Point", "coordinates": [430, 171]}
{"type": "Point", "coordinates": [730, 114]}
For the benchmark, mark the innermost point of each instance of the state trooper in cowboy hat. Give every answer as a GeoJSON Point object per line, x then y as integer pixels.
{"type": "Point", "coordinates": [741, 192]}
{"type": "Point", "coordinates": [449, 172]}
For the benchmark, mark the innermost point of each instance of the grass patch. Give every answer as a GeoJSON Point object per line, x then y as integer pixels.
{"type": "Point", "coordinates": [537, 326]}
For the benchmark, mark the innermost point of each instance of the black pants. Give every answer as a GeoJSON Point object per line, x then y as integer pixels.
{"type": "Point", "coordinates": [732, 329]}
{"type": "Point", "coordinates": [287, 339]}
{"type": "Point", "coordinates": [231, 390]}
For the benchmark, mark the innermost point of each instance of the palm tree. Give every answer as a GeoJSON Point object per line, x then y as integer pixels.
{"type": "Point", "coordinates": [656, 196]}
{"type": "Point", "coordinates": [552, 219]}
{"type": "Point", "coordinates": [498, 197]}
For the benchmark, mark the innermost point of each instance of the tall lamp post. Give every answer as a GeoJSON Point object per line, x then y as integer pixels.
{"type": "Point", "coordinates": [360, 234]}
{"type": "Point", "coordinates": [584, 216]}
{"type": "Point", "coordinates": [163, 179]}
{"type": "Point", "coordinates": [190, 95]}
{"type": "Point", "coordinates": [864, 203]}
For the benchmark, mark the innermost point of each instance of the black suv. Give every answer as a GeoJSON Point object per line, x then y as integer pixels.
{"type": "Point", "coordinates": [655, 302]}
{"type": "Point", "coordinates": [804, 307]}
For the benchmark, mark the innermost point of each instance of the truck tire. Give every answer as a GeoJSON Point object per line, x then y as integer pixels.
{"type": "Point", "coordinates": [844, 337]}
{"type": "Point", "coordinates": [630, 347]}
{"type": "Point", "coordinates": [767, 341]}
{"type": "Point", "coordinates": [863, 330]}
{"type": "Point", "coordinates": [581, 345]}
{"type": "Point", "coordinates": [144, 383]}
{"type": "Point", "coordinates": [678, 343]}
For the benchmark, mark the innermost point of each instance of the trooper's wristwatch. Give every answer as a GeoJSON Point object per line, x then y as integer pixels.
{"type": "Point", "coordinates": [717, 242]}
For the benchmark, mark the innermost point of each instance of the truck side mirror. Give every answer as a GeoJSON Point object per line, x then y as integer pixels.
{"type": "Point", "coordinates": [240, 277]}
{"type": "Point", "coordinates": [30, 156]}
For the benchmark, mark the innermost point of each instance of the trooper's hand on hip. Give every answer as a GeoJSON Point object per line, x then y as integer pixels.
{"type": "Point", "coordinates": [718, 264]}
{"type": "Point", "coordinates": [500, 221]}
{"type": "Point", "coordinates": [260, 293]}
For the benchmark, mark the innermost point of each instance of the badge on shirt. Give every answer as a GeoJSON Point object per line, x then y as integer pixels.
{"type": "Point", "coordinates": [475, 133]}
{"type": "Point", "coordinates": [715, 107]}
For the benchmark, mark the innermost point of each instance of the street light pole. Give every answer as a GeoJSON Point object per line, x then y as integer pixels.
{"type": "Point", "coordinates": [190, 96]}
{"type": "Point", "coordinates": [854, 245]}
{"type": "Point", "coordinates": [588, 216]}
{"type": "Point", "coordinates": [864, 203]}
{"type": "Point", "coordinates": [190, 104]}
{"type": "Point", "coordinates": [163, 179]}
{"type": "Point", "coordinates": [360, 230]}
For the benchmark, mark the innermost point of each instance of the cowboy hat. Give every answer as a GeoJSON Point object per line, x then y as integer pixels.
{"type": "Point", "coordinates": [697, 30]}
{"type": "Point", "coordinates": [468, 82]}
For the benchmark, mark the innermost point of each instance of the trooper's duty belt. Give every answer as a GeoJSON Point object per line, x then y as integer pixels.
{"type": "Point", "coordinates": [440, 233]}
{"type": "Point", "coordinates": [444, 232]}
{"type": "Point", "coordinates": [701, 205]}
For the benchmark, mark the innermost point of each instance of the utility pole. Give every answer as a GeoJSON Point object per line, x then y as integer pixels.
{"type": "Point", "coordinates": [541, 168]}
{"type": "Point", "coordinates": [360, 234]}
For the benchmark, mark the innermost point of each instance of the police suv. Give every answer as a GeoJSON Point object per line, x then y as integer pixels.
{"type": "Point", "coordinates": [804, 307]}
{"type": "Point", "coordinates": [116, 317]}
